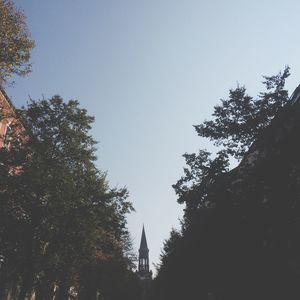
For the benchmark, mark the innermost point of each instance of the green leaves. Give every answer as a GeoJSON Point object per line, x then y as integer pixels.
{"type": "Point", "coordinates": [200, 173]}
{"type": "Point", "coordinates": [240, 119]}
{"type": "Point", "coordinates": [236, 124]}
{"type": "Point", "coordinates": [15, 42]}
{"type": "Point", "coordinates": [72, 216]}
{"type": "Point", "coordinates": [236, 224]}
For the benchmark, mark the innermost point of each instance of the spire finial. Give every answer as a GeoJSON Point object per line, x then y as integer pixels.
{"type": "Point", "coordinates": [143, 245]}
{"type": "Point", "coordinates": [143, 269]}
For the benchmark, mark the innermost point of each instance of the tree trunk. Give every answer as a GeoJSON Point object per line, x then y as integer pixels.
{"type": "Point", "coordinates": [44, 291]}
{"type": "Point", "coordinates": [3, 284]}
{"type": "Point", "coordinates": [11, 292]}
{"type": "Point", "coordinates": [26, 284]}
{"type": "Point", "coordinates": [88, 286]}
{"type": "Point", "coordinates": [63, 290]}
{"type": "Point", "coordinates": [24, 290]}
{"type": "Point", "coordinates": [86, 293]}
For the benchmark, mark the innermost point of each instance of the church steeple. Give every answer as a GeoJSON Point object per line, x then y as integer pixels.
{"type": "Point", "coordinates": [143, 268]}
{"type": "Point", "coordinates": [143, 245]}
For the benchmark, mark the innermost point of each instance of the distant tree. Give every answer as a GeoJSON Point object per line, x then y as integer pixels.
{"type": "Point", "coordinates": [15, 42]}
{"type": "Point", "coordinates": [169, 246]}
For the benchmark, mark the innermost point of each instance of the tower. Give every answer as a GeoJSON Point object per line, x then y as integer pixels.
{"type": "Point", "coordinates": [143, 268]}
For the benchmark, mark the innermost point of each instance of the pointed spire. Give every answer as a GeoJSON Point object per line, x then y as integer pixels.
{"type": "Point", "coordinates": [143, 267]}
{"type": "Point", "coordinates": [143, 251]}
{"type": "Point", "coordinates": [143, 245]}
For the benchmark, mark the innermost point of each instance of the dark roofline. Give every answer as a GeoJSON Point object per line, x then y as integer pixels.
{"type": "Point", "coordinates": [296, 95]}
{"type": "Point", "coordinates": [7, 98]}
{"type": "Point", "coordinates": [17, 115]}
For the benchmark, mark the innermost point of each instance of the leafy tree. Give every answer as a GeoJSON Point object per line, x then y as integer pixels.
{"type": "Point", "coordinates": [241, 118]}
{"type": "Point", "coordinates": [201, 171]}
{"type": "Point", "coordinates": [169, 246]}
{"type": "Point", "coordinates": [237, 122]}
{"type": "Point", "coordinates": [15, 42]}
{"type": "Point", "coordinates": [61, 216]}
{"type": "Point", "coordinates": [231, 241]}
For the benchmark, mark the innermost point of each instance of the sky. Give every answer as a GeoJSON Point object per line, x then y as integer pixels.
{"type": "Point", "coordinates": [148, 70]}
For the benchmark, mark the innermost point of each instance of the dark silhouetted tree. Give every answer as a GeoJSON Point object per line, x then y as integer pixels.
{"type": "Point", "coordinates": [238, 238]}
{"type": "Point", "coordinates": [59, 217]}
{"type": "Point", "coordinates": [241, 118]}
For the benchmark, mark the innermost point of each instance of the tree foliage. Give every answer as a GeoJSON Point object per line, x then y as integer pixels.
{"type": "Point", "coordinates": [201, 171]}
{"type": "Point", "coordinates": [240, 233]}
{"type": "Point", "coordinates": [236, 123]}
{"type": "Point", "coordinates": [59, 217]}
{"type": "Point", "coordinates": [15, 42]}
{"type": "Point", "coordinates": [241, 118]}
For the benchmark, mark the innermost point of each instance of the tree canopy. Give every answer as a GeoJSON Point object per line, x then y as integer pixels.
{"type": "Point", "coordinates": [61, 223]}
{"type": "Point", "coordinates": [236, 124]}
{"type": "Point", "coordinates": [239, 237]}
{"type": "Point", "coordinates": [238, 120]}
{"type": "Point", "coordinates": [15, 42]}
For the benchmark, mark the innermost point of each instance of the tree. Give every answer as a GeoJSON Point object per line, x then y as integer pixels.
{"type": "Point", "coordinates": [201, 171]}
{"type": "Point", "coordinates": [15, 42]}
{"type": "Point", "coordinates": [60, 217]}
{"type": "Point", "coordinates": [237, 222]}
{"type": "Point", "coordinates": [241, 118]}
{"type": "Point", "coordinates": [237, 122]}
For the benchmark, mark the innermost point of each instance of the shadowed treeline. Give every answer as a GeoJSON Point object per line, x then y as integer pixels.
{"type": "Point", "coordinates": [63, 229]}
{"type": "Point", "coordinates": [240, 233]}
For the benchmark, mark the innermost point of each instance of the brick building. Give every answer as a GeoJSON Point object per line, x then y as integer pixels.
{"type": "Point", "coordinates": [9, 122]}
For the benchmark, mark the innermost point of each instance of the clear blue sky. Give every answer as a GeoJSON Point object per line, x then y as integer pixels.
{"type": "Point", "coordinates": [149, 70]}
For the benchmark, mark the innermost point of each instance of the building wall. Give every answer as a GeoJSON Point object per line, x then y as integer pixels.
{"type": "Point", "coordinates": [9, 120]}
{"type": "Point", "coordinates": [7, 116]}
